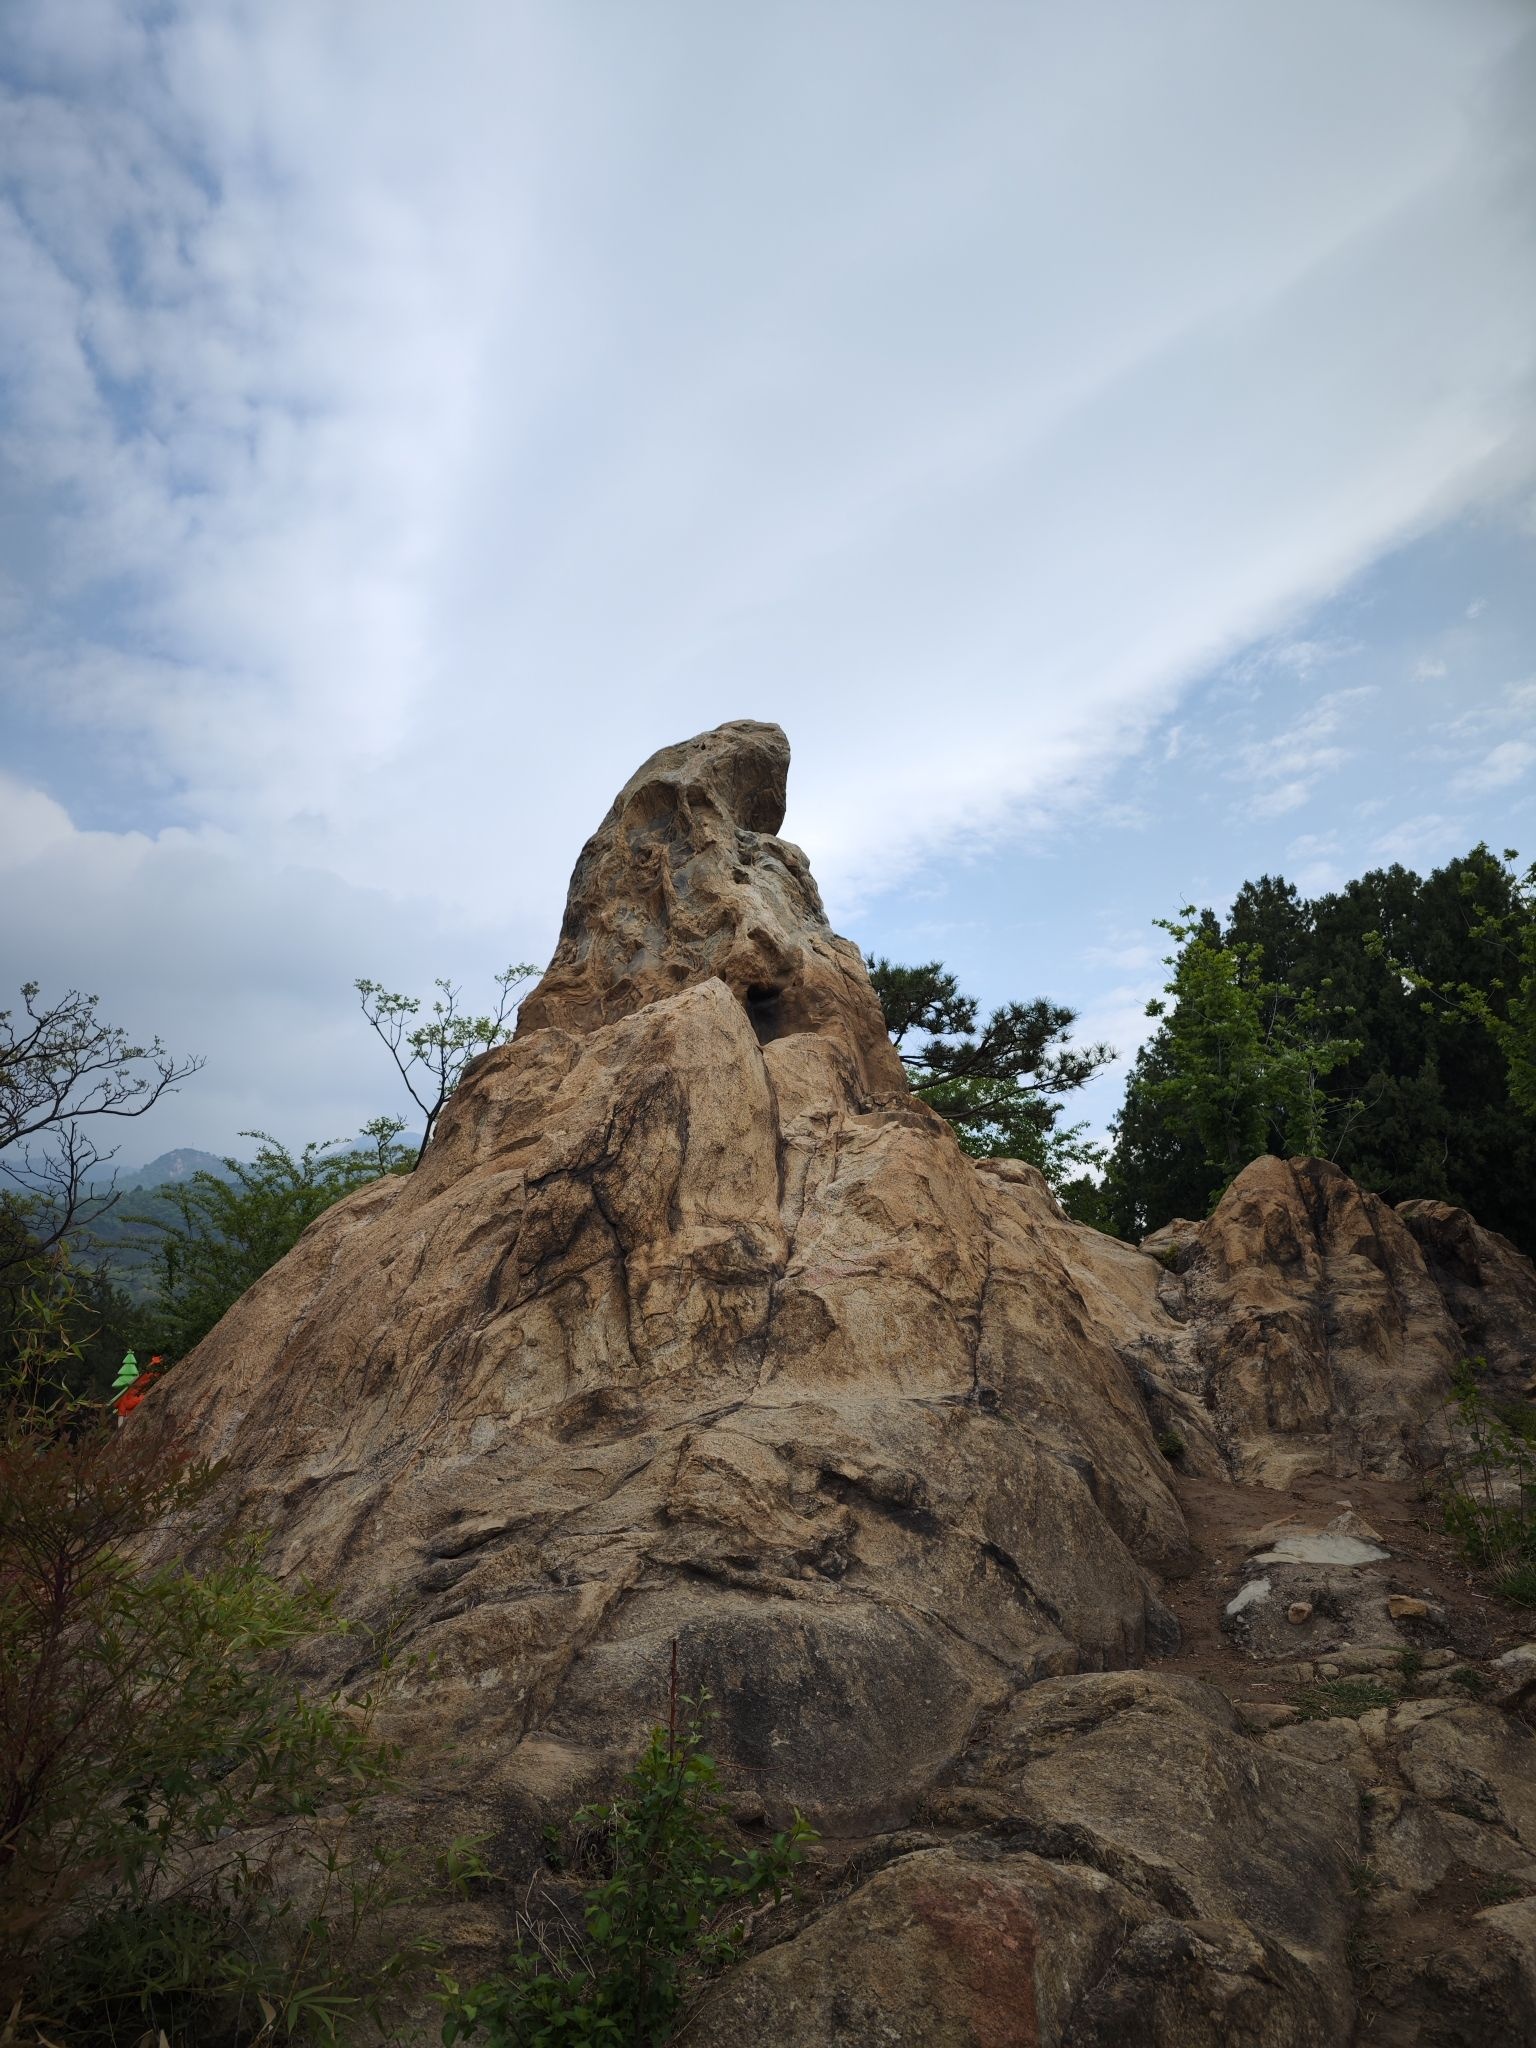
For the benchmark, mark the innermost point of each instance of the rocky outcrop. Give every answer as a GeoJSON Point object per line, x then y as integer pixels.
{"type": "Point", "coordinates": [1136, 1873]}
{"type": "Point", "coordinates": [1489, 1288]}
{"type": "Point", "coordinates": [693, 1326]}
{"type": "Point", "coordinates": [1317, 1339]}
{"type": "Point", "coordinates": [684, 1329]}
{"type": "Point", "coordinates": [685, 879]}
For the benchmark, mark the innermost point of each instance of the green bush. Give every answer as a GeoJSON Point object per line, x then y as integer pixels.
{"type": "Point", "coordinates": [1347, 1698]}
{"type": "Point", "coordinates": [1489, 1500]}
{"type": "Point", "coordinates": [221, 1235]}
{"type": "Point", "coordinates": [183, 1842]}
{"type": "Point", "coordinates": [669, 1908]}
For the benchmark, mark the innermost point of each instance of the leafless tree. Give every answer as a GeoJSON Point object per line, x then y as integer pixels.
{"type": "Point", "coordinates": [62, 1069]}
{"type": "Point", "coordinates": [431, 1057]}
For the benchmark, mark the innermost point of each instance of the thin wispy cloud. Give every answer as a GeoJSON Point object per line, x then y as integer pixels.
{"type": "Point", "coordinates": [1420, 842]}
{"type": "Point", "coordinates": [1285, 767]}
{"type": "Point", "coordinates": [1502, 765]}
{"type": "Point", "coordinates": [413, 417]}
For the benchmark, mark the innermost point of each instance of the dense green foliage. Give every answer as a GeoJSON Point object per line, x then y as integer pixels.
{"type": "Point", "coordinates": [1245, 1056]}
{"type": "Point", "coordinates": [1490, 1492]}
{"type": "Point", "coordinates": [667, 1910]}
{"type": "Point", "coordinates": [158, 1771]}
{"type": "Point", "coordinates": [999, 1083]}
{"type": "Point", "coordinates": [1501, 927]}
{"type": "Point", "coordinates": [221, 1234]}
{"type": "Point", "coordinates": [1400, 1004]}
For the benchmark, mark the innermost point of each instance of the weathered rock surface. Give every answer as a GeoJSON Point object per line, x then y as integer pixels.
{"type": "Point", "coordinates": [684, 879]}
{"type": "Point", "coordinates": [1317, 1337]}
{"type": "Point", "coordinates": [1488, 1286]}
{"type": "Point", "coordinates": [682, 1329]}
{"type": "Point", "coordinates": [1139, 1873]}
{"type": "Point", "coordinates": [693, 1325]}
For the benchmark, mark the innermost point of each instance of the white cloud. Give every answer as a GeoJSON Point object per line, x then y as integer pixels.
{"type": "Point", "coordinates": [1299, 658]}
{"type": "Point", "coordinates": [1295, 760]}
{"type": "Point", "coordinates": [248, 961]}
{"type": "Point", "coordinates": [1428, 669]}
{"type": "Point", "coordinates": [418, 415]}
{"type": "Point", "coordinates": [1420, 842]}
{"type": "Point", "coordinates": [1501, 766]}
{"type": "Point", "coordinates": [1274, 803]}
{"type": "Point", "coordinates": [1314, 862]}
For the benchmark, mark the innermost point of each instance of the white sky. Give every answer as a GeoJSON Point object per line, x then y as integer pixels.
{"type": "Point", "coordinates": [411, 416]}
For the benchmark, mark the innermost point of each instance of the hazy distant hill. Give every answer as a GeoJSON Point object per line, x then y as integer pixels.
{"type": "Point", "coordinates": [173, 1166]}
{"type": "Point", "coordinates": [118, 1241]}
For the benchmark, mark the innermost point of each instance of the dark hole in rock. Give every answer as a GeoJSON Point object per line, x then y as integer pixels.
{"type": "Point", "coordinates": [765, 1012]}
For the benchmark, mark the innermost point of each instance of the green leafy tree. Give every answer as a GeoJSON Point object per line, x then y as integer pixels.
{"type": "Point", "coordinates": [430, 1057]}
{"type": "Point", "coordinates": [1429, 981]}
{"type": "Point", "coordinates": [1157, 1168]}
{"type": "Point", "coordinates": [1503, 999]}
{"type": "Point", "coordinates": [216, 1237]}
{"type": "Point", "coordinates": [1000, 1082]}
{"type": "Point", "coordinates": [65, 1077]}
{"type": "Point", "coordinates": [1439, 1113]}
{"type": "Point", "coordinates": [1237, 1068]}
{"type": "Point", "coordinates": [667, 1912]}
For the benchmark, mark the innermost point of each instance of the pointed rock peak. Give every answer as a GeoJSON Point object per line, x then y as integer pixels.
{"type": "Point", "coordinates": [686, 880]}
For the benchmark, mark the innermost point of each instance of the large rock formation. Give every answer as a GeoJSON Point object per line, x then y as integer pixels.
{"type": "Point", "coordinates": [694, 1326]}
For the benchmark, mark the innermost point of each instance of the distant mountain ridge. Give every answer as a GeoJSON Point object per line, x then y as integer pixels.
{"type": "Point", "coordinates": [172, 1166]}
{"type": "Point", "coordinates": [182, 1161]}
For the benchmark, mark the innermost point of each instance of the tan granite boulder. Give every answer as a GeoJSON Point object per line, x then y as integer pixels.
{"type": "Point", "coordinates": [1489, 1288]}
{"type": "Point", "coordinates": [685, 879]}
{"type": "Point", "coordinates": [693, 1326]}
{"type": "Point", "coordinates": [1321, 1341]}
{"type": "Point", "coordinates": [1139, 1874]}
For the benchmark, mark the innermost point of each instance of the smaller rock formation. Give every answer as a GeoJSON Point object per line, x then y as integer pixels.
{"type": "Point", "coordinates": [1317, 1339]}
{"type": "Point", "coordinates": [1489, 1288]}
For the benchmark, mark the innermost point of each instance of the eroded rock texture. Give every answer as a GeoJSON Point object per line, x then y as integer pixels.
{"type": "Point", "coordinates": [694, 1326]}
{"type": "Point", "coordinates": [1489, 1288]}
{"type": "Point", "coordinates": [1316, 1337]}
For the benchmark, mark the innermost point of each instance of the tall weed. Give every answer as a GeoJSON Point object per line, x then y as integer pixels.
{"type": "Point", "coordinates": [1489, 1500]}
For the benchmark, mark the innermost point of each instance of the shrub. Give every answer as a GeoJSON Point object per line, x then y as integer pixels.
{"type": "Point", "coordinates": [1334, 1698]}
{"type": "Point", "coordinates": [670, 1908]}
{"type": "Point", "coordinates": [1517, 1584]}
{"type": "Point", "coordinates": [1489, 1502]}
{"type": "Point", "coordinates": [1365, 1881]}
{"type": "Point", "coordinates": [179, 1824]}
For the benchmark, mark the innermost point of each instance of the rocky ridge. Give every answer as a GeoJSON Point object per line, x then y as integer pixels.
{"type": "Point", "coordinates": [693, 1325]}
